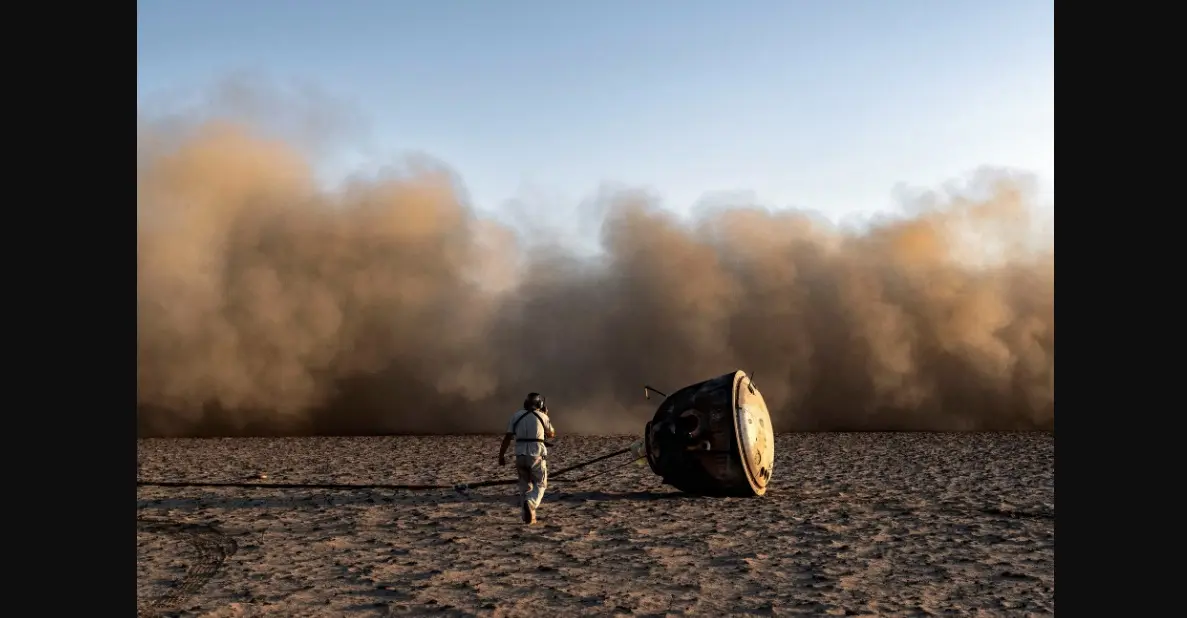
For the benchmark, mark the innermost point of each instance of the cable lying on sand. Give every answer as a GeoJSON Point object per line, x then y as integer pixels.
{"type": "Point", "coordinates": [711, 438]}
{"type": "Point", "coordinates": [353, 486]}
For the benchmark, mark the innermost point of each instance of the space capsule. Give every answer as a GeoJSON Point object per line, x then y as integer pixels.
{"type": "Point", "coordinates": [713, 438]}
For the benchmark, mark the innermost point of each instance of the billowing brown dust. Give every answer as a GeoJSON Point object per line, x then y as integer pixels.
{"type": "Point", "coordinates": [269, 305]}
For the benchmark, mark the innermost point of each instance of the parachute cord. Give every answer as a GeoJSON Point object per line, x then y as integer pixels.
{"type": "Point", "coordinates": [354, 486]}
{"type": "Point", "coordinates": [607, 470]}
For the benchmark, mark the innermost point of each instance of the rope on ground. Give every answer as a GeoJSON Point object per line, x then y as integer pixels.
{"type": "Point", "coordinates": [610, 469]}
{"type": "Point", "coordinates": [356, 486]}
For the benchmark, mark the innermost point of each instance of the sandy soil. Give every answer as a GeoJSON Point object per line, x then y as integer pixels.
{"type": "Point", "coordinates": [854, 524]}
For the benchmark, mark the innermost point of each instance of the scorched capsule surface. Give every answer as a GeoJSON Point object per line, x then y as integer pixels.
{"type": "Point", "coordinates": [713, 438]}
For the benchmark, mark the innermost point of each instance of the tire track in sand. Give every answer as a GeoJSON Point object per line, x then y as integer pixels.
{"type": "Point", "coordinates": [212, 547]}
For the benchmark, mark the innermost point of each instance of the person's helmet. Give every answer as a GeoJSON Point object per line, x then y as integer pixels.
{"type": "Point", "coordinates": [534, 401]}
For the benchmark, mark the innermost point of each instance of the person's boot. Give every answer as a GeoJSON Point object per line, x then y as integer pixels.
{"type": "Point", "coordinates": [528, 516]}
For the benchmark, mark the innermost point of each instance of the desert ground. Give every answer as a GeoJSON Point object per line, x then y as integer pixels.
{"type": "Point", "coordinates": [875, 524]}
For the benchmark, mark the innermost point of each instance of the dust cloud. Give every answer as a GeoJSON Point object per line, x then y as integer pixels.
{"type": "Point", "coordinates": [270, 305]}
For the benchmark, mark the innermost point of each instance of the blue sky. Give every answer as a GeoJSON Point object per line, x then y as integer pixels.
{"type": "Point", "coordinates": [826, 105]}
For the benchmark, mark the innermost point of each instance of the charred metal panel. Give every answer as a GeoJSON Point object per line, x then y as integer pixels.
{"type": "Point", "coordinates": [713, 438]}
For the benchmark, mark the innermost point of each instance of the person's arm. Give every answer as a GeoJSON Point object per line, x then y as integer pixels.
{"type": "Point", "coordinates": [551, 432]}
{"type": "Point", "coordinates": [503, 449]}
{"type": "Point", "coordinates": [507, 437]}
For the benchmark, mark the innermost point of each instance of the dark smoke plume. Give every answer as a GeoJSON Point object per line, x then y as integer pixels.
{"type": "Point", "coordinates": [268, 305]}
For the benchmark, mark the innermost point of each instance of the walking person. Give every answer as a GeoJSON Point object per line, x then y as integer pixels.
{"type": "Point", "coordinates": [529, 427]}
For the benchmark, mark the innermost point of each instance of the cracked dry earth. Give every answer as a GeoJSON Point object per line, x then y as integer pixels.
{"type": "Point", "coordinates": [854, 524]}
